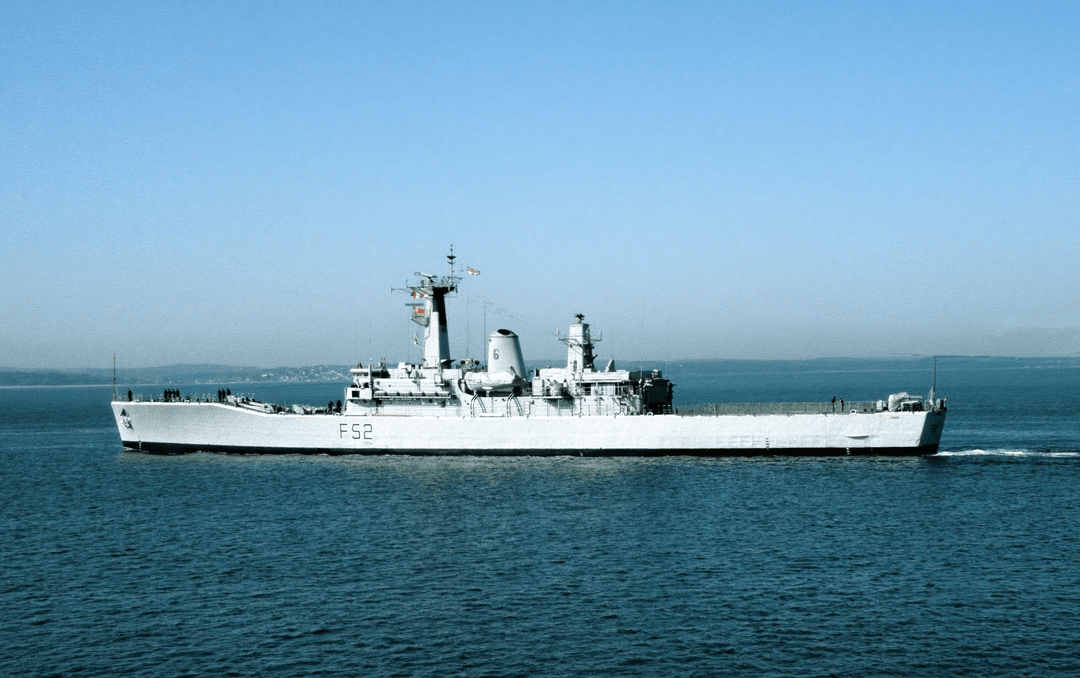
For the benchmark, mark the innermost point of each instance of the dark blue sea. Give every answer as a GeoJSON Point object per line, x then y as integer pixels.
{"type": "Point", "coordinates": [966, 563]}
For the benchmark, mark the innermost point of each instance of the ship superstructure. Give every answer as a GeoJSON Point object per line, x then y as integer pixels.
{"type": "Point", "coordinates": [443, 405]}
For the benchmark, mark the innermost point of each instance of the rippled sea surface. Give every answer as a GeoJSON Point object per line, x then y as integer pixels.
{"type": "Point", "coordinates": [964, 563]}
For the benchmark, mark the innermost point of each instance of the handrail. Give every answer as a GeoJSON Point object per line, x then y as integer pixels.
{"type": "Point", "coordinates": [839, 407]}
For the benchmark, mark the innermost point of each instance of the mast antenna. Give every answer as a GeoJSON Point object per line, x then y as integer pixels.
{"type": "Point", "coordinates": [114, 376]}
{"type": "Point", "coordinates": [431, 291]}
{"type": "Point", "coordinates": [933, 385]}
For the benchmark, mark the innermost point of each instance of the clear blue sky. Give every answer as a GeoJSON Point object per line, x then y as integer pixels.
{"type": "Point", "coordinates": [242, 183]}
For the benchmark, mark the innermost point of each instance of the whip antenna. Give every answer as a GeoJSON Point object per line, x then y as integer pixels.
{"type": "Point", "coordinates": [933, 385]}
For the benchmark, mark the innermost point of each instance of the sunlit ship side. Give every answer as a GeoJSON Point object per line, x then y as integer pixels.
{"type": "Point", "coordinates": [443, 406]}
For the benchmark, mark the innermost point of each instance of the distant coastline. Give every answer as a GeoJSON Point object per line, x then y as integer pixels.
{"type": "Point", "coordinates": [228, 374]}
{"type": "Point", "coordinates": [175, 374]}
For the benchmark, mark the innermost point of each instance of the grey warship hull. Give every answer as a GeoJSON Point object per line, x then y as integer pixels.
{"type": "Point", "coordinates": [225, 427]}
{"type": "Point", "coordinates": [443, 406]}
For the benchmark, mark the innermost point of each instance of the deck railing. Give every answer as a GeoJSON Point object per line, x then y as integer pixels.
{"type": "Point", "coordinates": [717, 409]}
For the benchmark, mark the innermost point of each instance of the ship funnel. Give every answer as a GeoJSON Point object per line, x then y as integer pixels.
{"type": "Point", "coordinates": [504, 353]}
{"type": "Point", "coordinates": [506, 369]}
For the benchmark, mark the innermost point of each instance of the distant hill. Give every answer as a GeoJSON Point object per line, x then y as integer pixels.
{"type": "Point", "coordinates": [176, 374]}
{"type": "Point", "coordinates": [230, 374]}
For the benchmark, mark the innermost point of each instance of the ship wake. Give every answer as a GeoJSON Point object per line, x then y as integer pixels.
{"type": "Point", "coordinates": [1007, 452]}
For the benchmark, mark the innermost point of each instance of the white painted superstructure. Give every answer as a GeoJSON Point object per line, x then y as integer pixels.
{"type": "Point", "coordinates": [445, 406]}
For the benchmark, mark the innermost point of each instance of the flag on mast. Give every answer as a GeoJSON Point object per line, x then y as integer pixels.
{"type": "Point", "coordinates": [472, 271]}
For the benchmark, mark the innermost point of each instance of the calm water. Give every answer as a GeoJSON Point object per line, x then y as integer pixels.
{"type": "Point", "coordinates": [966, 563]}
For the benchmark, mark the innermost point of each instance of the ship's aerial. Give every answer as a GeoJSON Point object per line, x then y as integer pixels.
{"type": "Point", "coordinates": [448, 406]}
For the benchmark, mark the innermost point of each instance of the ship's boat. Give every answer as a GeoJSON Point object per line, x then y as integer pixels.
{"type": "Point", "coordinates": [443, 406]}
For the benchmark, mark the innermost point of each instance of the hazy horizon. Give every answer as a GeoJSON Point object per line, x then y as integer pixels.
{"type": "Point", "coordinates": [625, 363]}
{"type": "Point", "coordinates": [239, 184]}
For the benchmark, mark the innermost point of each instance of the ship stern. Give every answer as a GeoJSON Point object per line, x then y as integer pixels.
{"type": "Point", "coordinates": [933, 426]}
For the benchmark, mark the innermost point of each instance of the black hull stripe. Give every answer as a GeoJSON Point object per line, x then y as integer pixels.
{"type": "Point", "coordinates": [174, 448]}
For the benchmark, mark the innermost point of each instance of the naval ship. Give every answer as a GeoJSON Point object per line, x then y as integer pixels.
{"type": "Point", "coordinates": [447, 406]}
